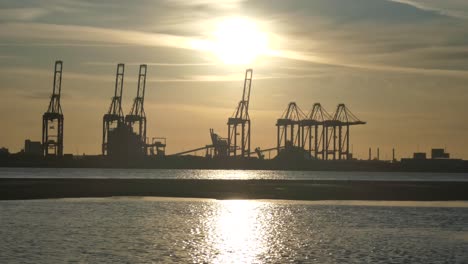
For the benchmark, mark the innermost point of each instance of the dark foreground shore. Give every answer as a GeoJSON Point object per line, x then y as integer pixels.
{"type": "Point", "coordinates": [18, 189]}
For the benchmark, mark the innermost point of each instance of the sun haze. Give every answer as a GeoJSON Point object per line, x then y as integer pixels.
{"type": "Point", "coordinates": [239, 41]}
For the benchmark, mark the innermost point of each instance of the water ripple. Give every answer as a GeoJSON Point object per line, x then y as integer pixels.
{"type": "Point", "coordinates": [146, 230]}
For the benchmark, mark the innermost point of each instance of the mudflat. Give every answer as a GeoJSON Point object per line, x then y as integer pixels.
{"type": "Point", "coordinates": [29, 188]}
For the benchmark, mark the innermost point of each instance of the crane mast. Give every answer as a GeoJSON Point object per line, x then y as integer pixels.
{"type": "Point", "coordinates": [52, 119]}
{"type": "Point", "coordinates": [114, 117]}
{"type": "Point", "coordinates": [136, 119]}
{"type": "Point", "coordinates": [240, 122]}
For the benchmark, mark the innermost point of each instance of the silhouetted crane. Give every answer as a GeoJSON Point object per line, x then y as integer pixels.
{"type": "Point", "coordinates": [114, 117]}
{"type": "Point", "coordinates": [136, 119]}
{"type": "Point", "coordinates": [314, 135]}
{"type": "Point", "coordinates": [342, 120]}
{"type": "Point", "coordinates": [290, 120]}
{"type": "Point", "coordinates": [52, 120]}
{"type": "Point", "coordinates": [241, 121]}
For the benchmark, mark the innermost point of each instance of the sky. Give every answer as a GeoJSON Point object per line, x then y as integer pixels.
{"type": "Point", "coordinates": [401, 66]}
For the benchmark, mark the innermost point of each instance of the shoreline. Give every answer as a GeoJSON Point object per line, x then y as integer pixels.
{"type": "Point", "coordinates": [233, 163]}
{"type": "Point", "coordinates": [307, 190]}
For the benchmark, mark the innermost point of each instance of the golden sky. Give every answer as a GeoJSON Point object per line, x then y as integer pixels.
{"type": "Point", "coordinates": [399, 65]}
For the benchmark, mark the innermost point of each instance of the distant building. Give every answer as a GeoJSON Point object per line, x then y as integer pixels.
{"type": "Point", "coordinates": [439, 154]}
{"type": "Point", "coordinates": [32, 147]}
{"type": "Point", "coordinates": [419, 156]}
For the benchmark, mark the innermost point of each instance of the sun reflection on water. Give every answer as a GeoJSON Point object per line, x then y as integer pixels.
{"type": "Point", "coordinates": [237, 232]}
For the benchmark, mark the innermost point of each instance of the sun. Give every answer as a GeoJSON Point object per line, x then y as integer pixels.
{"type": "Point", "coordinates": [239, 41]}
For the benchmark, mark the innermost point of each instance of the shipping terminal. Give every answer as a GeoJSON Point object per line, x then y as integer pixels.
{"type": "Point", "coordinates": [316, 140]}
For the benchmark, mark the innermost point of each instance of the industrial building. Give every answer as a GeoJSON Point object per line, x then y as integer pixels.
{"type": "Point", "coordinates": [439, 154]}
{"type": "Point", "coordinates": [33, 148]}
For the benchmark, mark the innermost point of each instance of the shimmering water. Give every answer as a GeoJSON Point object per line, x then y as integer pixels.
{"type": "Point", "coordinates": [226, 174]}
{"type": "Point", "coordinates": [166, 230]}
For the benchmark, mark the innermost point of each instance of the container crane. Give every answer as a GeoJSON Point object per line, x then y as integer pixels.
{"type": "Point", "coordinates": [114, 117]}
{"type": "Point", "coordinates": [136, 119]}
{"type": "Point", "coordinates": [290, 120]}
{"type": "Point", "coordinates": [240, 122]}
{"type": "Point", "coordinates": [52, 119]}
{"type": "Point", "coordinates": [340, 123]}
{"type": "Point", "coordinates": [315, 131]}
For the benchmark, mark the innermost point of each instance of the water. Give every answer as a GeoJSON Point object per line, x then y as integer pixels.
{"type": "Point", "coordinates": [225, 174]}
{"type": "Point", "coordinates": [166, 230]}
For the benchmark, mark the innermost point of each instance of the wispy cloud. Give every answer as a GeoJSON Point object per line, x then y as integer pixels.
{"type": "Point", "coordinates": [60, 44]}
{"type": "Point", "coordinates": [34, 31]}
{"type": "Point", "coordinates": [162, 64]}
{"type": "Point", "coordinates": [28, 31]}
{"type": "Point", "coordinates": [343, 62]}
{"type": "Point", "coordinates": [234, 77]}
{"type": "Point", "coordinates": [221, 4]}
{"type": "Point", "coordinates": [25, 71]}
{"type": "Point", "coordinates": [452, 8]}
{"type": "Point", "coordinates": [22, 14]}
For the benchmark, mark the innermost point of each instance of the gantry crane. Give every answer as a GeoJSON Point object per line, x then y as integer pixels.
{"type": "Point", "coordinates": [290, 120]}
{"type": "Point", "coordinates": [241, 121]}
{"type": "Point", "coordinates": [137, 117]}
{"type": "Point", "coordinates": [314, 131]}
{"type": "Point", "coordinates": [342, 120]}
{"type": "Point", "coordinates": [52, 120]}
{"type": "Point", "coordinates": [114, 117]}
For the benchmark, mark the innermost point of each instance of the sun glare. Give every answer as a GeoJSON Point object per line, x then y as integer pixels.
{"type": "Point", "coordinates": [239, 41]}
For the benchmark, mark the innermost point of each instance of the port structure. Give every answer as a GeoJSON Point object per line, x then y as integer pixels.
{"type": "Point", "coordinates": [237, 144]}
{"type": "Point", "coordinates": [337, 133]}
{"type": "Point", "coordinates": [52, 119]}
{"type": "Point", "coordinates": [239, 123]}
{"type": "Point", "coordinates": [313, 131]}
{"type": "Point", "coordinates": [289, 128]}
{"type": "Point", "coordinates": [157, 147]}
{"type": "Point", "coordinates": [219, 147]}
{"type": "Point", "coordinates": [114, 117]}
{"type": "Point", "coordinates": [136, 119]}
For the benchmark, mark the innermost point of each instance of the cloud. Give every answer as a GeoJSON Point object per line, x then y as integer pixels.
{"type": "Point", "coordinates": [25, 71]}
{"type": "Point", "coordinates": [386, 47]}
{"type": "Point", "coordinates": [234, 77]}
{"type": "Point", "coordinates": [342, 62]}
{"type": "Point", "coordinates": [22, 14]}
{"type": "Point", "coordinates": [371, 35]}
{"type": "Point", "coordinates": [220, 4]}
{"type": "Point", "coordinates": [34, 31]}
{"type": "Point", "coordinates": [452, 8]}
{"type": "Point", "coordinates": [162, 64]}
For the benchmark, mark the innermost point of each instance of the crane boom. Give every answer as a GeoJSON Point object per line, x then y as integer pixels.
{"type": "Point", "coordinates": [116, 105]}
{"type": "Point", "coordinates": [54, 105]}
{"type": "Point", "coordinates": [138, 103]}
{"type": "Point", "coordinates": [247, 86]}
